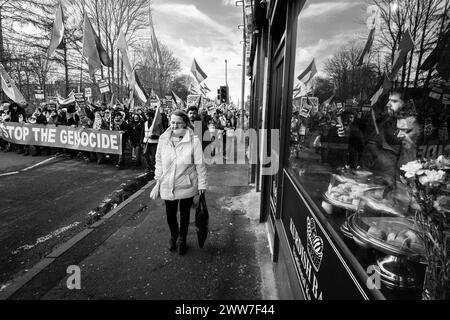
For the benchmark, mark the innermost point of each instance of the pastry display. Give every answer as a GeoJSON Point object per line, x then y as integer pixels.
{"type": "Point", "coordinates": [345, 190]}
{"type": "Point", "coordinates": [383, 221]}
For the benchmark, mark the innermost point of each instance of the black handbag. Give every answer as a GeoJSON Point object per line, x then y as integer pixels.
{"type": "Point", "coordinates": [201, 220]}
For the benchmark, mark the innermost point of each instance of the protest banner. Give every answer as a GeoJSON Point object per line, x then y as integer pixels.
{"type": "Point", "coordinates": [102, 141]}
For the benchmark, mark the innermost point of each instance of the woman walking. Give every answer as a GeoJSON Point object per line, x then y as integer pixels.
{"type": "Point", "coordinates": [180, 174]}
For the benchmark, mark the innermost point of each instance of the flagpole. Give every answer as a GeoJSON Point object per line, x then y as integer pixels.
{"type": "Point", "coordinates": [82, 50]}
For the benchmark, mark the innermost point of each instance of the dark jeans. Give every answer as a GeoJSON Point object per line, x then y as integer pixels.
{"type": "Point", "coordinates": [185, 210]}
{"type": "Point", "coordinates": [150, 155]}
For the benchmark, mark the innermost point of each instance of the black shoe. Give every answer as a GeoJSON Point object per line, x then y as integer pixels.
{"type": "Point", "coordinates": [173, 244]}
{"type": "Point", "coordinates": [182, 248]}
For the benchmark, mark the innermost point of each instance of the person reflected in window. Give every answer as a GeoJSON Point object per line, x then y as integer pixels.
{"type": "Point", "coordinates": [383, 149]}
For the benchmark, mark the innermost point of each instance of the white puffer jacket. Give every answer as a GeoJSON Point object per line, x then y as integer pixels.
{"type": "Point", "coordinates": [181, 176]}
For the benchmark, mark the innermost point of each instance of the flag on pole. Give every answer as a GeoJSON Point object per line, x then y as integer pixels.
{"type": "Point", "coordinates": [57, 36]}
{"type": "Point", "coordinates": [198, 72]}
{"type": "Point", "coordinates": [123, 48]}
{"type": "Point", "coordinates": [439, 58]}
{"type": "Point", "coordinates": [406, 45]}
{"type": "Point", "coordinates": [155, 46]}
{"type": "Point", "coordinates": [364, 58]}
{"type": "Point", "coordinates": [154, 40]}
{"type": "Point", "coordinates": [157, 128]}
{"type": "Point", "coordinates": [202, 90]}
{"type": "Point", "coordinates": [311, 70]}
{"type": "Point", "coordinates": [139, 89]}
{"type": "Point", "coordinates": [328, 101]}
{"type": "Point", "coordinates": [177, 99]}
{"type": "Point", "coordinates": [194, 88]}
{"type": "Point", "coordinates": [70, 99]}
{"type": "Point", "coordinates": [384, 85]}
{"type": "Point", "coordinates": [9, 87]}
{"type": "Point", "coordinates": [206, 87]}
{"type": "Point", "coordinates": [93, 49]}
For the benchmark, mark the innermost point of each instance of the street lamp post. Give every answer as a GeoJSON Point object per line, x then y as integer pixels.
{"type": "Point", "coordinates": [244, 49]}
{"type": "Point", "coordinates": [226, 73]}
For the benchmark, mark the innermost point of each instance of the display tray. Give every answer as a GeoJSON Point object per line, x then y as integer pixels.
{"type": "Point", "coordinates": [339, 204]}
{"type": "Point", "coordinates": [389, 225]}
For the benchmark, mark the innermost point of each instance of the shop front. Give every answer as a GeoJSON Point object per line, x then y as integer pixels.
{"type": "Point", "coordinates": [354, 97]}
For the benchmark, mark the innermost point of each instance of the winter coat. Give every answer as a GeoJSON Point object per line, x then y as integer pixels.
{"type": "Point", "coordinates": [175, 162]}
{"type": "Point", "coordinates": [41, 119]}
{"type": "Point", "coordinates": [14, 115]}
{"type": "Point", "coordinates": [136, 132]}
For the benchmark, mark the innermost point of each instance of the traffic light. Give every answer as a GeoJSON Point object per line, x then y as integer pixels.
{"type": "Point", "coordinates": [223, 94]}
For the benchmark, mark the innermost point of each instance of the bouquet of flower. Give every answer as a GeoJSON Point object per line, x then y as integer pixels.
{"type": "Point", "coordinates": [429, 184]}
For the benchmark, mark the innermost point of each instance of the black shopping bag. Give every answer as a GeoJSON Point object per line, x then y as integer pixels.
{"type": "Point", "coordinates": [201, 220]}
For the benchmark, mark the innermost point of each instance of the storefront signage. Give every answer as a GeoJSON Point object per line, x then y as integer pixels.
{"type": "Point", "coordinates": [321, 269]}
{"type": "Point", "coordinates": [307, 258]}
{"type": "Point", "coordinates": [433, 151]}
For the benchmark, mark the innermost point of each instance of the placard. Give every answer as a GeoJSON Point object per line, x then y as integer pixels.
{"type": "Point", "coordinates": [446, 98]}
{"type": "Point", "coordinates": [88, 92]}
{"type": "Point", "coordinates": [103, 85]}
{"type": "Point", "coordinates": [39, 94]}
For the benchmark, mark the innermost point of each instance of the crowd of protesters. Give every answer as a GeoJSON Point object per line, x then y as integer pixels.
{"type": "Point", "coordinates": [136, 127]}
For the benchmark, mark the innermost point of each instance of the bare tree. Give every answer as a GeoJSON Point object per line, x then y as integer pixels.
{"type": "Point", "coordinates": [151, 73]}
{"type": "Point", "coordinates": [349, 80]}
{"type": "Point", "coordinates": [422, 19]}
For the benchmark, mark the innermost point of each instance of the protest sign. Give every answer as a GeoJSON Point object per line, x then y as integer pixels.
{"type": "Point", "coordinates": [88, 92]}
{"type": "Point", "coordinates": [103, 85]}
{"type": "Point", "coordinates": [193, 100]}
{"type": "Point", "coordinates": [79, 98]}
{"type": "Point", "coordinates": [102, 141]}
{"type": "Point", "coordinates": [39, 94]}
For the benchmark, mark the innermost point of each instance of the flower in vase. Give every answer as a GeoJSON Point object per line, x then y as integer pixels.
{"type": "Point", "coordinates": [432, 177]}
{"type": "Point", "coordinates": [412, 168]}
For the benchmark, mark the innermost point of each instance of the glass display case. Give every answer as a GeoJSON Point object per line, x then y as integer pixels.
{"type": "Point", "coordinates": [384, 221]}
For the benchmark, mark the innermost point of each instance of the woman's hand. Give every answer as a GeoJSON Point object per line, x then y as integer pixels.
{"type": "Point", "coordinates": [154, 194]}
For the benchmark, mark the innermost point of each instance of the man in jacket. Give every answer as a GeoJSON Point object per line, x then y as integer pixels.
{"type": "Point", "coordinates": [120, 124]}
{"type": "Point", "coordinates": [136, 127]}
{"type": "Point", "coordinates": [16, 114]}
{"type": "Point", "coordinates": [150, 137]}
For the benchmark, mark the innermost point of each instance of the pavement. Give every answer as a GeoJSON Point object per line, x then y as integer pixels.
{"type": "Point", "coordinates": [125, 255]}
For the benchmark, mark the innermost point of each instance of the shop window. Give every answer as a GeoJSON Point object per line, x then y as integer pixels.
{"type": "Point", "coordinates": [364, 104]}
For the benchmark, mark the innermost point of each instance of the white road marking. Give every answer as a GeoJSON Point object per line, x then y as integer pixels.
{"type": "Point", "coordinates": [45, 238]}
{"type": "Point", "coordinates": [38, 164]}
{"type": "Point", "coordinates": [8, 174]}
{"type": "Point", "coordinates": [27, 169]}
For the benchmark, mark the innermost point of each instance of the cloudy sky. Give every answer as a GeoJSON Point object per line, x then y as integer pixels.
{"type": "Point", "coordinates": [325, 26]}
{"type": "Point", "coordinates": [207, 30]}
